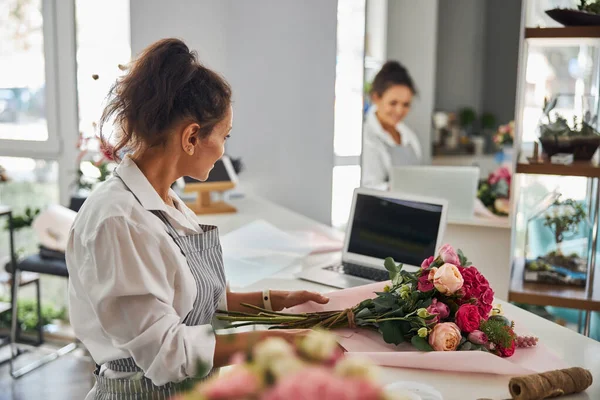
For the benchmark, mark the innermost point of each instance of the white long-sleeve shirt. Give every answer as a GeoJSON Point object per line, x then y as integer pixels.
{"type": "Point", "coordinates": [377, 148]}
{"type": "Point", "coordinates": [130, 287]}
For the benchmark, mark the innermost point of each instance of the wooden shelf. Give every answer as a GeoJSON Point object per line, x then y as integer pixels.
{"type": "Point", "coordinates": [578, 168]}
{"type": "Point", "coordinates": [565, 32]}
{"type": "Point", "coordinates": [542, 294]}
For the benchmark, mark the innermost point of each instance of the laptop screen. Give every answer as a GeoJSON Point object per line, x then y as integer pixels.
{"type": "Point", "coordinates": [404, 230]}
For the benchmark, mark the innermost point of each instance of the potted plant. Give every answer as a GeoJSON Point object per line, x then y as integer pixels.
{"type": "Point", "coordinates": [586, 14]}
{"type": "Point", "coordinates": [563, 219]}
{"type": "Point", "coordinates": [579, 138]}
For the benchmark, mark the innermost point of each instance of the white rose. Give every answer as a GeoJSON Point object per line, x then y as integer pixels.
{"type": "Point", "coordinates": [318, 346]}
{"type": "Point", "coordinates": [286, 366]}
{"type": "Point", "coordinates": [356, 367]}
{"type": "Point", "coordinates": [270, 350]}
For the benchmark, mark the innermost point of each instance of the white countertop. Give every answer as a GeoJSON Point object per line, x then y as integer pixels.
{"type": "Point", "coordinates": [499, 222]}
{"type": "Point", "coordinates": [575, 349]}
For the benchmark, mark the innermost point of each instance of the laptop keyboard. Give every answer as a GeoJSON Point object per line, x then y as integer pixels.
{"type": "Point", "coordinates": [360, 271]}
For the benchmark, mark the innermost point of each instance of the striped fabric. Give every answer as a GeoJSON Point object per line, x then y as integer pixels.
{"type": "Point", "coordinates": [204, 256]}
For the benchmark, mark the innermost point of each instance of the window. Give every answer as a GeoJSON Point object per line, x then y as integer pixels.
{"type": "Point", "coordinates": [348, 107]}
{"type": "Point", "coordinates": [24, 67]}
{"type": "Point", "coordinates": [102, 54]}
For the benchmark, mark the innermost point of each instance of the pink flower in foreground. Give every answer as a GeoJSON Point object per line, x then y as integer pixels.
{"type": "Point", "coordinates": [476, 287]}
{"type": "Point", "coordinates": [478, 337]}
{"type": "Point", "coordinates": [439, 309]}
{"type": "Point", "coordinates": [318, 383]}
{"type": "Point", "coordinates": [424, 284]}
{"type": "Point", "coordinates": [427, 262]}
{"type": "Point", "coordinates": [239, 383]}
{"type": "Point", "coordinates": [445, 337]}
{"type": "Point", "coordinates": [448, 255]}
{"type": "Point", "coordinates": [448, 279]}
{"type": "Point", "coordinates": [468, 318]}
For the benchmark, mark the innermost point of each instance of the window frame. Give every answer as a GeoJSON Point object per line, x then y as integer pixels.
{"type": "Point", "coordinates": [61, 96]}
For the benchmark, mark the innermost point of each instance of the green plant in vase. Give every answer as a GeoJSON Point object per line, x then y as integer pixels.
{"type": "Point", "coordinates": [564, 219]}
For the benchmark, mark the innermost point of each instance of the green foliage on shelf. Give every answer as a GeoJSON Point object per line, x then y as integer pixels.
{"type": "Point", "coordinates": [565, 222]}
{"type": "Point", "coordinates": [28, 314]}
{"type": "Point", "coordinates": [589, 6]}
{"type": "Point", "coordinates": [24, 220]}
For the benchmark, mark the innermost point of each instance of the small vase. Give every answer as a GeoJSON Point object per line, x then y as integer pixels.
{"type": "Point", "coordinates": [478, 144]}
{"type": "Point", "coordinates": [507, 154]}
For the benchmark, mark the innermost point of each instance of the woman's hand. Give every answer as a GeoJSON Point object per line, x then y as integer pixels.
{"type": "Point", "coordinates": [283, 299]}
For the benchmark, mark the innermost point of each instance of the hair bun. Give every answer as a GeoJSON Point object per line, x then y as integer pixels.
{"type": "Point", "coordinates": [393, 66]}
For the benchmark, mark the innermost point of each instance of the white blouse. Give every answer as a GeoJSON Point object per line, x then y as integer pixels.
{"type": "Point", "coordinates": [377, 147]}
{"type": "Point", "coordinates": [130, 287]}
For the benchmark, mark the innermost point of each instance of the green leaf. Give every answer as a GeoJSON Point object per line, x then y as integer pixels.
{"type": "Point", "coordinates": [392, 332]}
{"type": "Point", "coordinates": [392, 268]}
{"type": "Point", "coordinates": [466, 346]}
{"type": "Point", "coordinates": [462, 258]}
{"type": "Point", "coordinates": [385, 301]}
{"type": "Point", "coordinates": [462, 341]}
{"type": "Point", "coordinates": [420, 343]}
{"type": "Point", "coordinates": [397, 280]}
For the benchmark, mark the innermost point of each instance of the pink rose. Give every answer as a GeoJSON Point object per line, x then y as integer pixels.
{"type": "Point", "coordinates": [468, 318]}
{"type": "Point", "coordinates": [448, 255]}
{"type": "Point", "coordinates": [445, 337]}
{"type": "Point", "coordinates": [431, 273]}
{"type": "Point", "coordinates": [424, 284]}
{"type": "Point", "coordinates": [498, 175]}
{"type": "Point", "coordinates": [506, 352]}
{"type": "Point", "coordinates": [323, 385]}
{"type": "Point", "coordinates": [488, 296]}
{"type": "Point", "coordinates": [239, 383]}
{"type": "Point", "coordinates": [448, 279]}
{"type": "Point", "coordinates": [478, 337]}
{"type": "Point", "coordinates": [427, 263]}
{"type": "Point", "coordinates": [438, 308]}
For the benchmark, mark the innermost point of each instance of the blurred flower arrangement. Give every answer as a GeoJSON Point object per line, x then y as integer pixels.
{"type": "Point", "coordinates": [3, 174]}
{"type": "Point", "coordinates": [446, 305]}
{"type": "Point", "coordinates": [98, 168]}
{"type": "Point", "coordinates": [315, 368]}
{"type": "Point", "coordinates": [505, 135]}
{"type": "Point", "coordinates": [494, 192]}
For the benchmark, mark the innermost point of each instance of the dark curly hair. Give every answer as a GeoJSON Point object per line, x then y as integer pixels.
{"type": "Point", "coordinates": [392, 73]}
{"type": "Point", "coordinates": [165, 85]}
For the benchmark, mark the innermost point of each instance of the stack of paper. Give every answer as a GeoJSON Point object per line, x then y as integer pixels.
{"type": "Point", "coordinates": [259, 250]}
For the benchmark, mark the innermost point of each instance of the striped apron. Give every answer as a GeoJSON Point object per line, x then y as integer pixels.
{"type": "Point", "coordinates": [204, 256]}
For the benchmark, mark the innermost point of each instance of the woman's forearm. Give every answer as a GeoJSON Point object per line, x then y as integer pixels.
{"type": "Point", "coordinates": [228, 345]}
{"type": "Point", "coordinates": [235, 300]}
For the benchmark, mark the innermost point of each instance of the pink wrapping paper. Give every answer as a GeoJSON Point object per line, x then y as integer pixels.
{"type": "Point", "coordinates": [370, 345]}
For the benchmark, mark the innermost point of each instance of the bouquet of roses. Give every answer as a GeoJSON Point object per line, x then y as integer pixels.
{"type": "Point", "coordinates": [505, 136]}
{"type": "Point", "coordinates": [494, 192]}
{"type": "Point", "coordinates": [276, 370]}
{"type": "Point", "coordinates": [445, 305]}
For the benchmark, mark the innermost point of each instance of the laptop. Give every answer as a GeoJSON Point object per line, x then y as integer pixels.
{"type": "Point", "coordinates": [405, 227]}
{"type": "Point", "coordinates": [458, 185]}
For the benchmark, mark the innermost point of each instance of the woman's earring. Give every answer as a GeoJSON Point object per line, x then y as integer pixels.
{"type": "Point", "coordinates": [190, 150]}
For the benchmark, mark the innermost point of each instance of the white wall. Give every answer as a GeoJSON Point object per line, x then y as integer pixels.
{"type": "Point", "coordinates": [460, 49]}
{"type": "Point", "coordinates": [279, 56]}
{"type": "Point", "coordinates": [501, 58]}
{"type": "Point", "coordinates": [201, 23]}
{"type": "Point", "coordinates": [412, 40]}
